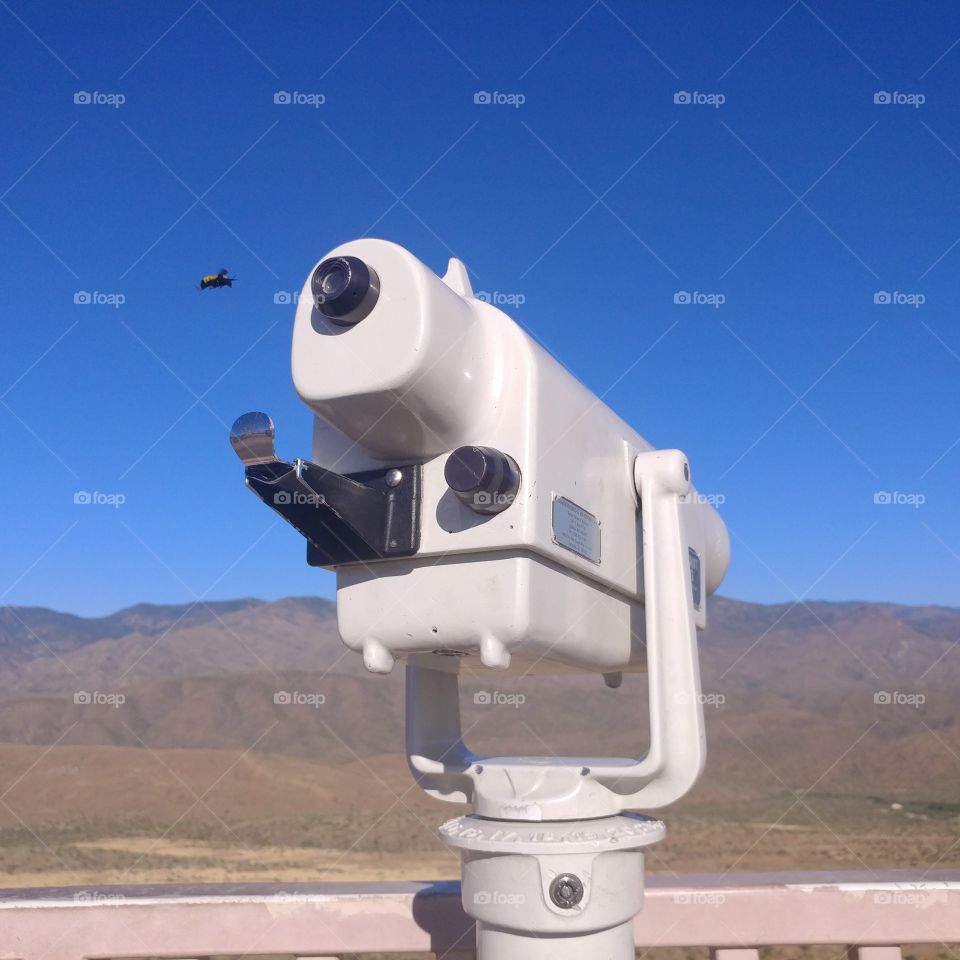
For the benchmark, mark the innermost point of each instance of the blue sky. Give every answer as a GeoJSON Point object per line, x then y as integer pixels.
{"type": "Point", "coordinates": [777, 194]}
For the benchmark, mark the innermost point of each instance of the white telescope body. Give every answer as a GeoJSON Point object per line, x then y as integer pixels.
{"type": "Point", "coordinates": [554, 580]}
{"type": "Point", "coordinates": [483, 509]}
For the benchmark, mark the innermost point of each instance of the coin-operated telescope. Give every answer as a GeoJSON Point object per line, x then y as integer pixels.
{"type": "Point", "coordinates": [483, 509]}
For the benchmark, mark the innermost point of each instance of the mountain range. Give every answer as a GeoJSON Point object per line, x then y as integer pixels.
{"type": "Point", "coordinates": [850, 698]}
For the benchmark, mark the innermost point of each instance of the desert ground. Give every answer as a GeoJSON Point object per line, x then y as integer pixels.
{"type": "Point", "coordinates": [158, 745]}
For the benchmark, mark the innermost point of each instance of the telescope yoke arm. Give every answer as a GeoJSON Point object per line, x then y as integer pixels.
{"type": "Point", "coordinates": [557, 788]}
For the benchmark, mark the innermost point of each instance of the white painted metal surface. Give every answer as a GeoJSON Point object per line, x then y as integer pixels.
{"type": "Point", "coordinates": [428, 370]}
{"type": "Point", "coordinates": [555, 890]}
{"type": "Point", "coordinates": [730, 913]}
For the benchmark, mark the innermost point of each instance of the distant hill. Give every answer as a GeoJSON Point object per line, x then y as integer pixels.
{"type": "Point", "coordinates": [45, 651]}
{"type": "Point", "coordinates": [23, 627]}
{"type": "Point", "coordinates": [791, 693]}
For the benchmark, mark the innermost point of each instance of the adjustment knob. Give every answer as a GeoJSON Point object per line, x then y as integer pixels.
{"type": "Point", "coordinates": [484, 479]}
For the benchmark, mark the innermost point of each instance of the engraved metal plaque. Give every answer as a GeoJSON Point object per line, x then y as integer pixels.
{"type": "Point", "coordinates": [576, 529]}
{"type": "Point", "coordinates": [695, 576]}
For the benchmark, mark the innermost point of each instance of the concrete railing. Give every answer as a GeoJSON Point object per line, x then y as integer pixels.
{"type": "Point", "coordinates": [870, 913]}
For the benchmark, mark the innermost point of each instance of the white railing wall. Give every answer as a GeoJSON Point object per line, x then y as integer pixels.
{"type": "Point", "coordinates": [872, 914]}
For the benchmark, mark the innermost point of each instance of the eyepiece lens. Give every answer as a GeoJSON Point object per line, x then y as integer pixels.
{"type": "Point", "coordinates": [334, 280]}
{"type": "Point", "coordinates": [345, 289]}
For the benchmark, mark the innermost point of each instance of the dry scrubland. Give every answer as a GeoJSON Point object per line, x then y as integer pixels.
{"type": "Point", "coordinates": [199, 774]}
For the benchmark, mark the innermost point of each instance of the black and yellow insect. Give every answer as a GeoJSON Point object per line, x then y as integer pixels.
{"type": "Point", "coordinates": [217, 280]}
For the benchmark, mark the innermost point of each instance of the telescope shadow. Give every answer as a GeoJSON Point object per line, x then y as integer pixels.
{"type": "Point", "coordinates": [438, 911]}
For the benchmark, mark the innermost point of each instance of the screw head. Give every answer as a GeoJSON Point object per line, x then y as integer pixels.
{"type": "Point", "coordinates": [566, 891]}
{"type": "Point", "coordinates": [394, 477]}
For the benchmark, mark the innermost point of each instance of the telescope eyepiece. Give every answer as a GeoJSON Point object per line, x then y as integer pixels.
{"type": "Point", "coordinates": [345, 289]}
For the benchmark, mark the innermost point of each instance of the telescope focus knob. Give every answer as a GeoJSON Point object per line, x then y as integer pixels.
{"type": "Point", "coordinates": [482, 478]}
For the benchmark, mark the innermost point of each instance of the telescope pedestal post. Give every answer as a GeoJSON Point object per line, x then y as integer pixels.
{"type": "Point", "coordinates": [497, 944]}
{"type": "Point", "coordinates": [563, 890]}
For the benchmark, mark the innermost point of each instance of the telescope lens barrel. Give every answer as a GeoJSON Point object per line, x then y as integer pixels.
{"type": "Point", "coordinates": [345, 289]}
